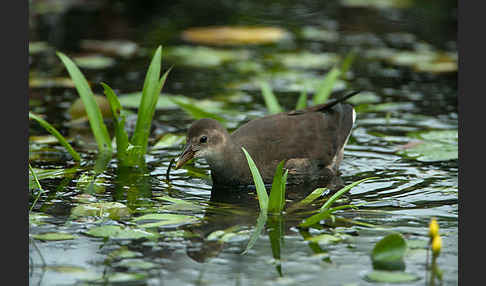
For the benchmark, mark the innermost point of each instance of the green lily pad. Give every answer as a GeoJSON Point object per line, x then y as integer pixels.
{"type": "Point", "coordinates": [390, 276]}
{"type": "Point", "coordinates": [318, 34]}
{"type": "Point", "coordinates": [388, 253]}
{"type": "Point", "coordinates": [434, 146]}
{"type": "Point", "coordinates": [37, 47]}
{"type": "Point", "coordinates": [165, 219]}
{"type": "Point", "coordinates": [325, 238]}
{"type": "Point", "coordinates": [178, 204]}
{"type": "Point", "coordinates": [51, 82]}
{"type": "Point", "coordinates": [234, 35]}
{"type": "Point", "coordinates": [377, 4]}
{"type": "Point", "coordinates": [307, 60]}
{"type": "Point", "coordinates": [94, 62]}
{"type": "Point", "coordinates": [113, 210]}
{"type": "Point", "coordinates": [36, 218]}
{"type": "Point", "coordinates": [53, 236]}
{"type": "Point", "coordinates": [169, 140]}
{"type": "Point", "coordinates": [114, 47]}
{"type": "Point", "coordinates": [117, 232]}
{"type": "Point", "coordinates": [123, 252]}
{"type": "Point", "coordinates": [204, 56]}
{"type": "Point", "coordinates": [136, 264]}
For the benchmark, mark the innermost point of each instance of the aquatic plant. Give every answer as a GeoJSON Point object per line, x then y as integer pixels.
{"type": "Point", "coordinates": [130, 151]}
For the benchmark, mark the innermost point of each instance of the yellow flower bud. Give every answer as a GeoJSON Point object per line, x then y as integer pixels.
{"type": "Point", "coordinates": [436, 245]}
{"type": "Point", "coordinates": [433, 228]}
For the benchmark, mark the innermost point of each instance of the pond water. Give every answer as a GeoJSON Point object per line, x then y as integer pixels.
{"type": "Point", "coordinates": [405, 134]}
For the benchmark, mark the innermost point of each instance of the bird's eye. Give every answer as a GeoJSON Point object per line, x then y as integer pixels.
{"type": "Point", "coordinates": [203, 139]}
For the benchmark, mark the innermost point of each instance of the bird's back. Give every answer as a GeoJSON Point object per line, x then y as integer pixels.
{"type": "Point", "coordinates": [317, 137]}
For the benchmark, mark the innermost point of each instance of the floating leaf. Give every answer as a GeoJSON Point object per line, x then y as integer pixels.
{"type": "Point", "coordinates": [325, 238]}
{"type": "Point", "coordinates": [178, 204]}
{"type": "Point", "coordinates": [37, 47]}
{"type": "Point", "coordinates": [136, 264]}
{"type": "Point", "coordinates": [307, 60]}
{"type": "Point", "coordinates": [164, 219]}
{"type": "Point", "coordinates": [434, 146]}
{"type": "Point", "coordinates": [51, 82]}
{"type": "Point", "coordinates": [113, 210]}
{"type": "Point", "coordinates": [94, 62]}
{"type": "Point", "coordinates": [388, 252]}
{"type": "Point", "coordinates": [53, 236]}
{"type": "Point", "coordinates": [204, 56]}
{"type": "Point", "coordinates": [113, 47]}
{"type": "Point", "coordinates": [117, 232]}
{"type": "Point", "coordinates": [390, 276]}
{"type": "Point", "coordinates": [318, 34]}
{"type": "Point", "coordinates": [226, 35]}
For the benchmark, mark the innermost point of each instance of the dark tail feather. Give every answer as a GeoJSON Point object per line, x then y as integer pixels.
{"type": "Point", "coordinates": [330, 103]}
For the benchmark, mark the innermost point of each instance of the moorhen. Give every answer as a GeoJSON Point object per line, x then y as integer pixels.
{"type": "Point", "coordinates": [310, 140]}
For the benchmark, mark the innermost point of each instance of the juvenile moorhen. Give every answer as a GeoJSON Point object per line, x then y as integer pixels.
{"type": "Point", "coordinates": [311, 141]}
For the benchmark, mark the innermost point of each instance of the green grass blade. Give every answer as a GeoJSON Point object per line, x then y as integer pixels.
{"type": "Point", "coordinates": [302, 101]}
{"type": "Point", "coordinates": [257, 179]}
{"type": "Point", "coordinates": [270, 100]}
{"type": "Point", "coordinates": [150, 94]}
{"type": "Point", "coordinates": [98, 127]}
{"type": "Point", "coordinates": [121, 135]}
{"type": "Point", "coordinates": [325, 212]}
{"type": "Point", "coordinates": [196, 112]}
{"type": "Point", "coordinates": [261, 220]}
{"type": "Point", "coordinates": [276, 200]}
{"type": "Point", "coordinates": [347, 62]}
{"type": "Point", "coordinates": [56, 134]}
{"type": "Point", "coordinates": [324, 89]}
{"type": "Point", "coordinates": [315, 218]}
{"type": "Point", "coordinates": [307, 200]}
{"type": "Point", "coordinates": [342, 191]}
{"type": "Point", "coordinates": [41, 190]}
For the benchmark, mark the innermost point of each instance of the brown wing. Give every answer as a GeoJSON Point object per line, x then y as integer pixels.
{"type": "Point", "coordinates": [315, 135]}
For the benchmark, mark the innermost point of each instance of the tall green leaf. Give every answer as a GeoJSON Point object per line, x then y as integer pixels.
{"type": "Point", "coordinates": [270, 100]}
{"type": "Point", "coordinates": [56, 134]}
{"type": "Point", "coordinates": [302, 101]}
{"type": "Point", "coordinates": [151, 90]}
{"type": "Point", "coordinates": [259, 185]}
{"type": "Point", "coordinates": [261, 220]}
{"type": "Point", "coordinates": [324, 89]}
{"type": "Point", "coordinates": [121, 135]}
{"type": "Point", "coordinates": [276, 200]}
{"type": "Point", "coordinates": [196, 112]}
{"type": "Point", "coordinates": [95, 117]}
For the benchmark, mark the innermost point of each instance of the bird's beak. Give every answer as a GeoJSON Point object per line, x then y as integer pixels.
{"type": "Point", "coordinates": [186, 155]}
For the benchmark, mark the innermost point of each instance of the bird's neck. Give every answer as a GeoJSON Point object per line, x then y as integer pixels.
{"type": "Point", "coordinates": [226, 167]}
